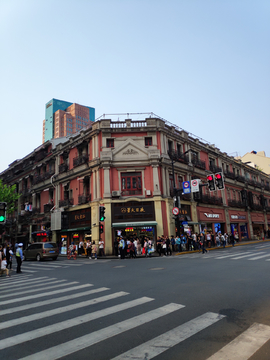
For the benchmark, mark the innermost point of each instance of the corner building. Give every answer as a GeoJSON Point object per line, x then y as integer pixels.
{"type": "Point", "coordinates": [131, 168]}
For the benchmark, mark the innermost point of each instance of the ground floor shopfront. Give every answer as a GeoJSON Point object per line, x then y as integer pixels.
{"type": "Point", "coordinates": [152, 218]}
{"type": "Point", "coordinates": [258, 225]}
{"type": "Point", "coordinates": [211, 219]}
{"type": "Point", "coordinates": [239, 224]}
{"type": "Point", "coordinates": [77, 229]}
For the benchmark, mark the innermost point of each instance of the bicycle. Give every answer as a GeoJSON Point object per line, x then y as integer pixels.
{"type": "Point", "coordinates": [71, 255]}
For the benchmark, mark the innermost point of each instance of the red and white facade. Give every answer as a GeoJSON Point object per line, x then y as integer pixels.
{"type": "Point", "coordinates": [127, 167]}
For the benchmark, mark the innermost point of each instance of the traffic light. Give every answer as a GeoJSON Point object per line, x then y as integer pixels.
{"type": "Point", "coordinates": [3, 208]}
{"type": "Point", "coordinates": [211, 182]}
{"type": "Point", "coordinates": [101, 228]}
{"type": "Point", "coordinates": [102, 213]}
{"type": "Point", "coordinates": [219, 181]}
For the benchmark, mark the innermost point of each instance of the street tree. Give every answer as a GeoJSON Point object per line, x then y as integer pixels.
{"type": "Point", "coordinates": [9, 195]}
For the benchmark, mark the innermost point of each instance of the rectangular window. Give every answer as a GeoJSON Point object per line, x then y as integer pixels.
{"type": "Point", "coordinates": [110, 143]}
{"type": "Point", "coordinates": [131, 183]}
{"type": "Point", "coordinates": [148, 141]}
{"type": "Point", "coordinates": [170, 145]}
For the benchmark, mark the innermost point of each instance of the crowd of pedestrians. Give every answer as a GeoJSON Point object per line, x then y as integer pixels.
{"type": "Point", "coordinates": [6, 257]}
{"type": "Point", "coordinates": [194, 241]}
{"type": "Point", "coordinates": [133, 246]}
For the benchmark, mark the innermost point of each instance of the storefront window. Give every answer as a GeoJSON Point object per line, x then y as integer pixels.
{"type": "Point", "coordinates": [243, 231]}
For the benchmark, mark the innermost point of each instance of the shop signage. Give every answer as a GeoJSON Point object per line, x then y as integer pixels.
{"type": "Point", "coordinates": [216, 216]}
{"type": "Point", "coordinates": [75, 235]}
{"type": "Point", "coordinates": [41, 234]}
{"type": "Point", "coordinates": [80, 218]}
{"type": "Point", "coordinates": [238, 217]}
{"type": "Point", "coordinates": [133, 211]}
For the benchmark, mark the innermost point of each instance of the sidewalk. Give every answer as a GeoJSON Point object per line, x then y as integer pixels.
{"type": "Point", "coordinates": [155, 254]}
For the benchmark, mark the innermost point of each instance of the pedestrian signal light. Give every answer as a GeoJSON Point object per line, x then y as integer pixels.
{"type": "Point", "coordinates": [101, 228]}
{"type": "Point", "coordinates": [219, 181]}
{"type": "Point", "coordinates": [3, 217]}
{"type": "Point", "coordinates": [102, 213]}
{"type": "Point", "coordinates": [211, 182]}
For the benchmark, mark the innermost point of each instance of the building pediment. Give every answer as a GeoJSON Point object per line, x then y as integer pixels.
{"type": "Point", "coordinates": [130, 150]}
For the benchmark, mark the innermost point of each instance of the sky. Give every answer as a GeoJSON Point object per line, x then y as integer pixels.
{"type": "Point", "coordinates": [202, 65]}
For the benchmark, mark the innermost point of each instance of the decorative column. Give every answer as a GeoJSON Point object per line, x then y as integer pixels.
{"type": "Point", "coordinates": [156, 187]}
{"type": "Point", "coordinates": [107, 185]}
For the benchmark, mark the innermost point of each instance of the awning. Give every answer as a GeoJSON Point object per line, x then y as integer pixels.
{"type": "Point", "coordinates": [77, 229]}
{"type": "Point", "coordinates": [258, 222]}
{"type": "Point", "coordinates": [134, 224]}
{"type": "Point", "coordinates": [193, 223]}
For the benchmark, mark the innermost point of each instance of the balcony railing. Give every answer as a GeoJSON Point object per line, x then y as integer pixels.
{"type": "Point", "coordinates": [257, 207]}
{"type": "Point", "coordinates": [131, 192]}
{"type": "Point", "coordinates": [63, 168]}
{"type": "Point", "coordinates": [37, 179]}
{"type": "Point", "coordinates": [80, 160]}
{"type": "Point", "coordinates": [177, 156]}
{"type": "Point", "coordinates": [186, 197]}
{"type": "Point", "coordinates": [84, 199]}
{"type": "Point", "coordinates": [48, 207]}
{"type": "Point", "coordinates": [230, 175]}
{"type": "Point", "coordinates": [240, 178]}
{"type": "Point", "coordinates": [213, 200]}
{"type": "Point", "coordinates": [48, 174]}
{"type": "Point", "coordinates": [66, 202]}
{"type": "Point", "coordinates": [41, 155]}
{"type": "Point", "coordinates": [198, 163]}
{"type": "Point", "coordinates": [214, 168]}
{"type": "Point", "coordinates": [235, 203]}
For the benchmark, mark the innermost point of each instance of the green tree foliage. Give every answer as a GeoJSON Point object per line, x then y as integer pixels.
{"type": "Point", "coordinates": [9, 195]}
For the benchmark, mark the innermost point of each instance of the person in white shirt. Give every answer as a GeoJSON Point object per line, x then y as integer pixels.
{"type": "Point", "coordinates": [101, 247]}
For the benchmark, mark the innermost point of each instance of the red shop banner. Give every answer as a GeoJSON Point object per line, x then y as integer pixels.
{"type": "Point", "coordinates": [238, 216]}
{"type": "Point", "coordinates": [257, 218]}
{"type": "Point", "coordinates": [207, 215]}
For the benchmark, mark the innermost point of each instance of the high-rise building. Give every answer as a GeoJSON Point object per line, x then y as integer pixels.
{"type": "Point", "coordinates": [63, 118]}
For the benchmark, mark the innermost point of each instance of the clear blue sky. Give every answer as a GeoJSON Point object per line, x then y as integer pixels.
{"type": "Point", "coordinates": [203, 65]}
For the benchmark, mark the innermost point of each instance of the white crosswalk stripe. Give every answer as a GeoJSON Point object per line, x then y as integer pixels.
{"type": "Point", "coordinates": [245, 345]}
{"type": "Point", "coordinates": [53, 301]}
{"type": "Point", "coordinates": [33, 286]}
{"type": "Point", "coordinates": [244, 256]}
{"type": "Point", "coordinates": [48, 293]}
{"type": "Point", "coordinates": [241, 348]}
{"type": "Point", "coordinates": [60, 310]}
{"type": "Point", "coordinates": [85, 341]}
{"type": "Point", "coordinates": [171, 338]}
{"type": "Point", "coordinates": [15, 281]}
{"type": "Point", "coordinates": [35, 334]}
{"type": "Point", "coordinates": [247, 255]}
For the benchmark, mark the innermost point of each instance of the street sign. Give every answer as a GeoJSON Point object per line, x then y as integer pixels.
{"type": "Point", "coordinates": [186, 187]}
{"type": "Point", "coordinates": [195, 185]}
{"type": "Point", "coordinates": [175, 211]}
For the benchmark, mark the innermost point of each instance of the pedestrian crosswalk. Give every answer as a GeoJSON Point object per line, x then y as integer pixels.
{"type": "Point", "coordinates": [31, 312]}
{"type": "Point", "coordinates": [32, 267]}
{"type": "Point", "coordinates": [256, 254]}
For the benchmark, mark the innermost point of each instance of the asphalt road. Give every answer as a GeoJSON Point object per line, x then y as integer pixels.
{"type": "Point", "coordinates": [194, 306]}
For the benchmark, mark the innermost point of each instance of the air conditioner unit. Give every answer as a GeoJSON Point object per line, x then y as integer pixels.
{"type": "Point", "coordinates": [115, 193]}
{"type": "Point", "coordinates": [148, 192]}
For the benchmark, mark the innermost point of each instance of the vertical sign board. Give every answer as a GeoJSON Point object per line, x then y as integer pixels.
{"type": "Point", "coordinates": [195, 185]}
{"type": "Point", "coordinates": [186, 187]}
